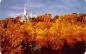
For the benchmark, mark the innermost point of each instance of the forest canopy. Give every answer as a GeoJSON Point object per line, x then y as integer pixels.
{"type": "Point", "coordinates": [41, 32]}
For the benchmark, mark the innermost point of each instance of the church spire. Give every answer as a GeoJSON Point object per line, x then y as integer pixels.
{"type": "Point", "coordinates": [24, 17]}
{"type": "Point", "coordinates": [25, 10]}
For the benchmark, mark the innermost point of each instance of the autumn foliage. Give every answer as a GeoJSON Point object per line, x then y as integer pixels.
{"type": "Point", "coordinates": [42, 32]}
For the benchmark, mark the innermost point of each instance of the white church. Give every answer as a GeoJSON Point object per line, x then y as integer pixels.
{"type": "Point", "coordinates": [25, 17]}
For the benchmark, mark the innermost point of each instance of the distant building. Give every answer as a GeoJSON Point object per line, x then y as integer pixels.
{"type": "Point", "coordinates": [25, 16]}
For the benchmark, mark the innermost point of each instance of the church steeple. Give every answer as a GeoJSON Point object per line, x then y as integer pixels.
{"type": "Point", "coordinates": [25, 10]}
{"type": "Point", "coordinates": [24, 17]}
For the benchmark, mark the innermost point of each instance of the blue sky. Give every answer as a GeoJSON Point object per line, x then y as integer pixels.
{"type": "Point", "coordinates": [37, 7]}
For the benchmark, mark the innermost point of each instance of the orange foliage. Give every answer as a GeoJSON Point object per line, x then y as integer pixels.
{"type": "Point", "coordinates": [42, 31]}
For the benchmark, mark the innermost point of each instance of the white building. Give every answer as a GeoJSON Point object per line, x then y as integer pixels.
{"type": "Point", "coordinates": [25, 16]}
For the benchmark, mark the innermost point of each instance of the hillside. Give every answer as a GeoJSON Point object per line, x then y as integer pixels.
{"type": "Point", "coordinates": [44, 35]}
